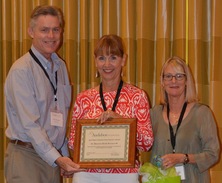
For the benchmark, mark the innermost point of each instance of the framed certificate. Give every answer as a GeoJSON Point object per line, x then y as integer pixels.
{"type": "Point", "coordinates": [108, 145]}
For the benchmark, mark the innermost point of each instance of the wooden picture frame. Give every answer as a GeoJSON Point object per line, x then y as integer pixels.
{"type": "Point", "coordinates": [108, 145]}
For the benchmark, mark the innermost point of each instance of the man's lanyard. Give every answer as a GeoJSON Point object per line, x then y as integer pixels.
{"type": "Point", "coordinates": [116, 98]}
{"type": "Point", "coordinates": [172, 135]}
{"type": "Point", "coordinates": [38, 62]}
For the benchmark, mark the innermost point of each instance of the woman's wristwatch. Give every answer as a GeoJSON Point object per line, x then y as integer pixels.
{"type": "Point", "coordinates": [186, 159]}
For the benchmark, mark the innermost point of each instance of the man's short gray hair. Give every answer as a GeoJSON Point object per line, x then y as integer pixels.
{"type": "Point", "coordinates": [46, 10]}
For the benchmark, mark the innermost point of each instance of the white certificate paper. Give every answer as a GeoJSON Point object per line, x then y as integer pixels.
{"type": "Point", "coordinates": [105, 143]}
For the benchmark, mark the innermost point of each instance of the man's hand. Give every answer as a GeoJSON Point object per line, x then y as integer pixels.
{"type": "Point", "coordinates": [67, 166]}
{"type": "Point", "coordinates": [65, 174]}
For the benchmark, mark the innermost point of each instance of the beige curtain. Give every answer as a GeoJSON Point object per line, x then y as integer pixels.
{"type": "Point", "coordinates": [152, 30]}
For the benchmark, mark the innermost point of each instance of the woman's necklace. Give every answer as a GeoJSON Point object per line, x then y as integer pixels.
{"type": "Point", "coordinates": [116, 98]}
{"type": "Point", "coordinates": [175, 117]}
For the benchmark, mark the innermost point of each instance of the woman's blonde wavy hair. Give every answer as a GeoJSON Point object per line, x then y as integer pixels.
{"type": "Point", "coordinates": [178, 64]}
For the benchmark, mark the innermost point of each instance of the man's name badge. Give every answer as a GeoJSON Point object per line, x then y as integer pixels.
{"type": "Point", "coordinates": [56, 118]}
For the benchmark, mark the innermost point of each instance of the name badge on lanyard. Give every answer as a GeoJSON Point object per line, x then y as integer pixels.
{"type": "Point", "coordinates": [180, 171]}
{"type": "Point", "coordinates": [179, 167]}
{"type": "Point", "coordinates": [56, 116]}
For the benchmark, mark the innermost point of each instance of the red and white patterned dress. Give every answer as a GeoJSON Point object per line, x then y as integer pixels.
{"type": "Point", "coordinates": [132, 103]}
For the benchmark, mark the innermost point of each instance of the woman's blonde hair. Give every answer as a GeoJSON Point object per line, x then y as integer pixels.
{"type": "Point", "coordinates": [178, 64]}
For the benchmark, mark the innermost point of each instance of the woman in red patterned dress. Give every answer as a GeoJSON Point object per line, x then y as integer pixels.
{"type": "Point", "coordinates": [113, 98]}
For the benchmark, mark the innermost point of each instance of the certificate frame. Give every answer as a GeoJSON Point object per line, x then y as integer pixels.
{"type": "Point", "coordinates": [108, 145]}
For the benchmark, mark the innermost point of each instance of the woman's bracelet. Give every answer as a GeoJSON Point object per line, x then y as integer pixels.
{"type": "Point", "coordinates": [186, 159]}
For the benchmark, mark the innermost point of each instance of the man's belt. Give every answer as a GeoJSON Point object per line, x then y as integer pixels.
{"type": "Point", "coordinates": [21, 143]}
{"type": "Point", "coordinates": [27, 144]}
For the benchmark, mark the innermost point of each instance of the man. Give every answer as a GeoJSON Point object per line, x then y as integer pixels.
{"type": "Point", "coordinates": [38, 95]}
